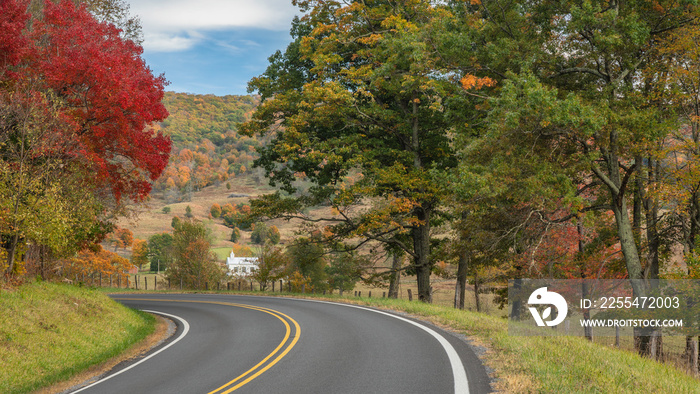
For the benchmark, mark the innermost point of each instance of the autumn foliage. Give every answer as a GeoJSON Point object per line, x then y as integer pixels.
{"type": "Point", "coordinates": [93, 262]}
{"type": "Point", "coordinates": [77, 104]}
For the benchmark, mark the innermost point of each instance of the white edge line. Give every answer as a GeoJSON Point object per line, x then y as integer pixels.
{"type": "Point", "coordinates": [185, 330]}
{"type": "Point", "coordinates": [458, 371]}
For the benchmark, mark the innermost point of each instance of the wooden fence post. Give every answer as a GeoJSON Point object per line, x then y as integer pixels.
{"type": "Point", "coordinates": [410, 295]}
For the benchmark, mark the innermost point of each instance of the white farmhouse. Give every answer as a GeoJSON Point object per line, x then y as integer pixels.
{"type": "Point", "coordinates": [241, 266]}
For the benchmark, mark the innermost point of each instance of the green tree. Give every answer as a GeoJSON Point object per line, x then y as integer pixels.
{"type": "Point", "coordinates": [215, 210]}
{"type": "Point", "coordinates": [193, 261]}
{"type": "Point", "coordinates": [577, 115]}
{"type": "Point", "coordinates": [306, 257]}
{"type": "Point", "coordinates": [259, 234]}
{"type": "Point", "coordinates": [160, 251]}
{"type": "Point", "coordinates": [235, 235]}
{"type": "Point", "coordinates": [139, 253]}
{"type": "Point", "coordinates": [272, 262]}
{"type": "Point", "coordinates": [344, 270]}
{"type": "Point", "coordinates": [188, 212]}
{"type": "Point", "coordinates": [359, 96]}
{"type": "Point", "coordinates": [238, 219]}
{"type": "Point", "coordinates": [273, 235]}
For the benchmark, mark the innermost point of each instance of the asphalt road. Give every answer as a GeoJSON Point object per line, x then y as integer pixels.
{"type": "Point", "coordinates": [248, 344]}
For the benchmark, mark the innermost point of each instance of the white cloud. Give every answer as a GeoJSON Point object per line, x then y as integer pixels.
{"type": "Point", "coordinates": [161, 42]}
{"type": "Point", "coordinates": [176, 25]}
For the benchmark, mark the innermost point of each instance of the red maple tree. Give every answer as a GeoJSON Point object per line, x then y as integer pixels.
{"type": "Point", "coordinates": [100, 86]}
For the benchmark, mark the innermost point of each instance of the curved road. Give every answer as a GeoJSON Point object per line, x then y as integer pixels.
{"type": "Point", "coordinates": [249, 344]}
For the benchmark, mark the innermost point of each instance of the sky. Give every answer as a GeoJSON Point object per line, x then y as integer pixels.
{"type": "Point", "coordinates": [212, 46]}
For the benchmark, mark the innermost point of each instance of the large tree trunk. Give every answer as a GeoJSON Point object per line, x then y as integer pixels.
{"type": "Point", "coordinates": [585, 291]}
{"type": "Point", "coordinates": [11, 252]}
{"type": "Point", "coordinates": [628, 246]}
{"type": "Point", "coordinates": [642, 335]}
{"type": "Point", "coordinates": [651, 271]}
{"type": "Point", "coordinates": [421, 248]}
{"type": "Point", "coordinates": [691, 352]}
{"type": "Point", "coordinates": [476, 290]}
{"type": "Point", "coordinates": [395, 275]}
{"type": "Point", "coordinates": [461, 286]}
{"type": "Point", "coordinates": [625, 232]}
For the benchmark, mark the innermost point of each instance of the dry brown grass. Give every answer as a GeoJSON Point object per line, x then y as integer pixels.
{"type": "Point", "coordinates": [149, 218]}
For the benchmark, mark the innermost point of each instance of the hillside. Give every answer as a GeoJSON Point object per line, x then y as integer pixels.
{"type": "Point", "coordinates": [207, 150]}
{"type": "Point", "coordinates": [51, 332]}
{"type": "Point", "coordinates": [209, 163]}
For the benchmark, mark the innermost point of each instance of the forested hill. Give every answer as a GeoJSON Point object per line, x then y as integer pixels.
{"type": "Point", "coordinates": [196, 117]}
{"type": "Point", "coordinates": [206, 146]}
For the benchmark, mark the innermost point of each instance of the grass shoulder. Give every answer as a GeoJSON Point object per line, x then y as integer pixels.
{"type": "Point", "coordinates": [50, 332]}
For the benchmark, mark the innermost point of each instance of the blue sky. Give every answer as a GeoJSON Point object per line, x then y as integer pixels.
{"type": "Point", "coordinates": [212, 46]}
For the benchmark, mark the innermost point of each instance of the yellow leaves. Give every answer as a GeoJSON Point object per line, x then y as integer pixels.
{"type": "Point", "coordinates": [470, 81]}
{"type": "Point", "coordinates": [398, 23]}
{"type": "Point", "coordinates": [372, 39]}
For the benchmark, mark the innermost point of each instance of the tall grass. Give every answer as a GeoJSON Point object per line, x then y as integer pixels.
{"type": "Point", "coordinates": [50, 332]}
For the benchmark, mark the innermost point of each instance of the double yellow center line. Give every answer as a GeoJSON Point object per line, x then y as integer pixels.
{"type": "Point", "coordinates": [290, 339]}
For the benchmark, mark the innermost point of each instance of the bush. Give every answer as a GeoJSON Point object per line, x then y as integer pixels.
{"type": "Point", "coordinates": [236, 235]}
{"type": "Point", "coordinates": [215, 210]}
{"type": "Point", "coordinates": [262, 234]}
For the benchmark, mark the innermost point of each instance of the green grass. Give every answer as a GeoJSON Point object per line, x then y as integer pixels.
{"type": "Point", "coordinates": [222, 253]}
{"type": "Point", "coordinates": [50, 332]}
